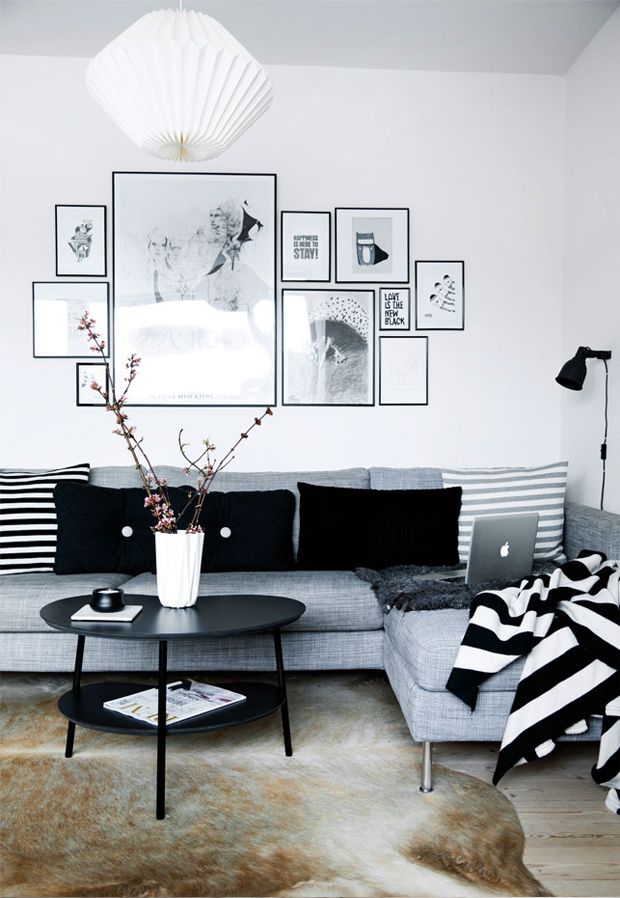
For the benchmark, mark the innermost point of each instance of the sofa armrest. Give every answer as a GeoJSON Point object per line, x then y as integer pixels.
{"type": "Point", "coordinates": [590, 528]}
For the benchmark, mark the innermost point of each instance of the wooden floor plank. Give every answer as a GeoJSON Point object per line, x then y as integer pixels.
{"type": "Point", "coordinates": [572, 840]}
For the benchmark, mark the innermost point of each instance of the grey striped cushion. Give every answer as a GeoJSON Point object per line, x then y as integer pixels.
{"type": "Point", "coordinates": [489, 491]}
{"type": "Point", "coordinates": [28, 525]}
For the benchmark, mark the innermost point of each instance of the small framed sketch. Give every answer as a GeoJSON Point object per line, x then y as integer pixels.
{"type": "Point", "coordinates": [306, 246]}
{"type": "Point", "coordinates": [87, 374]}
{"type": "Point", "coordinates": [394, 308]}
{"type": "Point", "coordinates": [403, 370]}
{"type": "Point", "coordinates": [81, 241]}
{"type": "Point", "coordinates": [372, 246]}
{"type": "Point", "coordinates": [440, 296]}
{"type": "Point", "coordinates": [56, 311]}
{"type": "Point", "coordinates": [328, 347]}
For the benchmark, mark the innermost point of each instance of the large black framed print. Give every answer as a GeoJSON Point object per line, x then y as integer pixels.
{"type": "Point", "coordinates": [194, 287]}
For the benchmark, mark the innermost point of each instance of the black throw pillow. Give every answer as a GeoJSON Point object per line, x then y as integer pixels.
{"type": "Point", "coordinates": [342, 528]}
{"type": "Point", "coordinates": [104, 530]}
{"type": "Point", "coordinates": [248, 531]}
{"type": "Point", "coordinates": [137, 549]}
{"type": "Point", "coordinates": [89, 528]}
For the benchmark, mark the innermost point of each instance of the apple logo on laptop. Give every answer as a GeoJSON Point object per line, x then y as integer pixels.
{"type": "Point", "coordinates": [505, 550]}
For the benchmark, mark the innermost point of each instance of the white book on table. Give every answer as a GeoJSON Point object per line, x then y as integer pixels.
{"type": "Point", "coordinates": [125, 615]}
{"type": "Point", "coordinates": [181, 703]}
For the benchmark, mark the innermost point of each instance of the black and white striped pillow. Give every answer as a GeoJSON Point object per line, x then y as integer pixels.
{"type": "Point", "coordinates": [28, 524]}
{"type": "Point", "coordinates": [488, 491]}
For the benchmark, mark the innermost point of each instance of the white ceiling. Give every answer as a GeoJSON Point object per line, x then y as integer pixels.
{"type": "Point", "coordinates": [522, 36]}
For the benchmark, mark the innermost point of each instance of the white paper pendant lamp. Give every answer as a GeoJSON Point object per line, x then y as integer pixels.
{"type": "Point", "coordinates": [179, 85]}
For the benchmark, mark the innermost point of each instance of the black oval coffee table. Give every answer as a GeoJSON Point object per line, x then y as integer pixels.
{"type": "Point", "coordinates": [211, 616]}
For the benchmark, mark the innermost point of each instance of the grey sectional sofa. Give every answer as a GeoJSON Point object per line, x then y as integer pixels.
{"type": "Point", "coordinates": [343, 627]}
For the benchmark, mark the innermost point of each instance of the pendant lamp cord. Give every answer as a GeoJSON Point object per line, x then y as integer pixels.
{"type": "Point", "coordinates": [604, 443]}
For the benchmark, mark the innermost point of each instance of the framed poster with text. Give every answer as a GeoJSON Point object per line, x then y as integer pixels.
{"type": "Point", "coordinates": [305, 246]}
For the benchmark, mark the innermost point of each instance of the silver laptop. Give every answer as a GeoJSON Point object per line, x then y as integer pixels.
{"type": "Point", "coordinates": [502, 548]}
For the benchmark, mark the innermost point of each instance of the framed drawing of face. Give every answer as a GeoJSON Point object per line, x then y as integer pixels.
{"type": "Point", "coordinates": [194, 287]}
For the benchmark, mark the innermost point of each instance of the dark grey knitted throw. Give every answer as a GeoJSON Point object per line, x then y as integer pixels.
{"type": "Point", "coordinates": [405, 588]}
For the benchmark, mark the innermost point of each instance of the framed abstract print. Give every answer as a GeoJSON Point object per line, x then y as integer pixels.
{"type": "Point", "coordinates": [394, 308]}
{"type": "Point", "coordinates": [440, 296]}
{"type": "Point", "coordinates": [305, 246]}
{"type": "Point", "coordinates": [194, 287]}
{"type": "Point", "coordinates": [403, 370]}
{"type": "Point", "coordinates": [328, 347]}
{"type": "Point", "coordinates": [372, 246]}
{"type": "Point", "coordinates": [81, 241]}
{"type": "Point", "coordinates": [87, 374]}
{"type": "Point", "coordinates": [57, 307]}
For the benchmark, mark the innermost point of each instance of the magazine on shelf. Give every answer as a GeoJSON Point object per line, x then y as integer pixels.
{"type": "Point", "coordinates": [184, 699]}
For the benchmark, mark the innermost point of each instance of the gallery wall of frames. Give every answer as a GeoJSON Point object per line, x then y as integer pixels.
{"type": "Point", "coordinates": [200, 263]}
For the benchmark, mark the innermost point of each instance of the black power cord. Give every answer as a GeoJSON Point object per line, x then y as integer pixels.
{"type": "Point", "coordinates": [604, 443]}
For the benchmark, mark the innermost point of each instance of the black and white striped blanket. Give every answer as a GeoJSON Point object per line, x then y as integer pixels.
{"type": "Point", "coordinates": [568, 625]}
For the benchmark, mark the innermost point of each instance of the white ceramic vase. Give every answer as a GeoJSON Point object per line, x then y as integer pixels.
{"type": "Point", "coordinates": [178, 557]}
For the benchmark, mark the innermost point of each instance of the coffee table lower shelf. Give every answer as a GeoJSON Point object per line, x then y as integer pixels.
{"type": "Point", "coordinates": [211, 617]}
{"type": "Point", "coordinates": [85, 708]}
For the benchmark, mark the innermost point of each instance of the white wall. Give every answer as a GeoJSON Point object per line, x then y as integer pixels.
{"type": "Point", "coordinates": [476, 157]}
{"type": "Point", "coordinates": [592, 261]}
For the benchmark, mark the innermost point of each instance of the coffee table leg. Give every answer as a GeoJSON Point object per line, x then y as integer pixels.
{"type": "Point", "coordinates": [286, 730]}
{"type": "Point", "coordinates": [161, 730]}
{"type": "Point", "coordinates": [77, 676]}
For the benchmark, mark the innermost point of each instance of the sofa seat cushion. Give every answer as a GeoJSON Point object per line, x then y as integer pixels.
{"type": "Point", "coordinates": [335, 600]}
{"type": "Point", "coordinates": [428, 642]}
{"type": "Point", "coordinates": [23, 595]}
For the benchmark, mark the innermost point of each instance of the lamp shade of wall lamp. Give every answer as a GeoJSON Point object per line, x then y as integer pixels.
{"type": "Point", "coordinates": [179, 85]}
{"type": "Point", "coordinates": [572, 376]}
{"type": "Point", "coordinates": [573, 372]}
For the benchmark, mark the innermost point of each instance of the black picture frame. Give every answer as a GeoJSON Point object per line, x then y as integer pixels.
{"type": "Point", "coordinates": [371, 345]}
{"type": "Point", "coordinates": [275, 283]}
{"type": "Point", "coordinates": [326, 280]}
{"type": "Point", "coordinates": [100, 403]}
{"type": "Point", "coordinates": [396, 329]}
{"type": "Point", "coordinates": [418, 325]}
{"type": "Point", "coordinates": [94, 285]}
{"type": "Point", "coordinates": [402, 404]}
{"type": "Point", "coordinates": [379, 278]}
{"type": "Point", "coordinates": [81, 274]}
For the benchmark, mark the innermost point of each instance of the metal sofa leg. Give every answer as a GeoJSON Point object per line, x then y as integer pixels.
{"type": "Point", "coordinates": [426, 780]}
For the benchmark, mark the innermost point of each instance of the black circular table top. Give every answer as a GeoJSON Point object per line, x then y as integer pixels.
{"type": "Point", "coordinates": [224, 615]}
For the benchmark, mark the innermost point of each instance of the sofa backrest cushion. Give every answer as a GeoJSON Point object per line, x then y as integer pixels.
{"type": "Point", "coordinates": [496, 491]}
{"type": "Point", "coordinates": [234, 481]}
{"type": "Point", "coordinates": [342, 529]}
{"type": "Point", "coordinates": [249, 530]}
{"type": "Point", "coordinates": [115, 477]}
{"type": "Point", "coordinates": [28, 517]}
{"type": "Point", "coordinates": [405, 479]}
{"type": "Point", "coordinates": [101, 529]}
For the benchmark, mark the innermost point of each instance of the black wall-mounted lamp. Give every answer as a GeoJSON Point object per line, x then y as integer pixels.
{"type": "Point", "coordinates": [572, 375]}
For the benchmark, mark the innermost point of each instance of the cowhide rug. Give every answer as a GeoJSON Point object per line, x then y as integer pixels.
{"type": "Point", "coordinates": [342, 817]}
